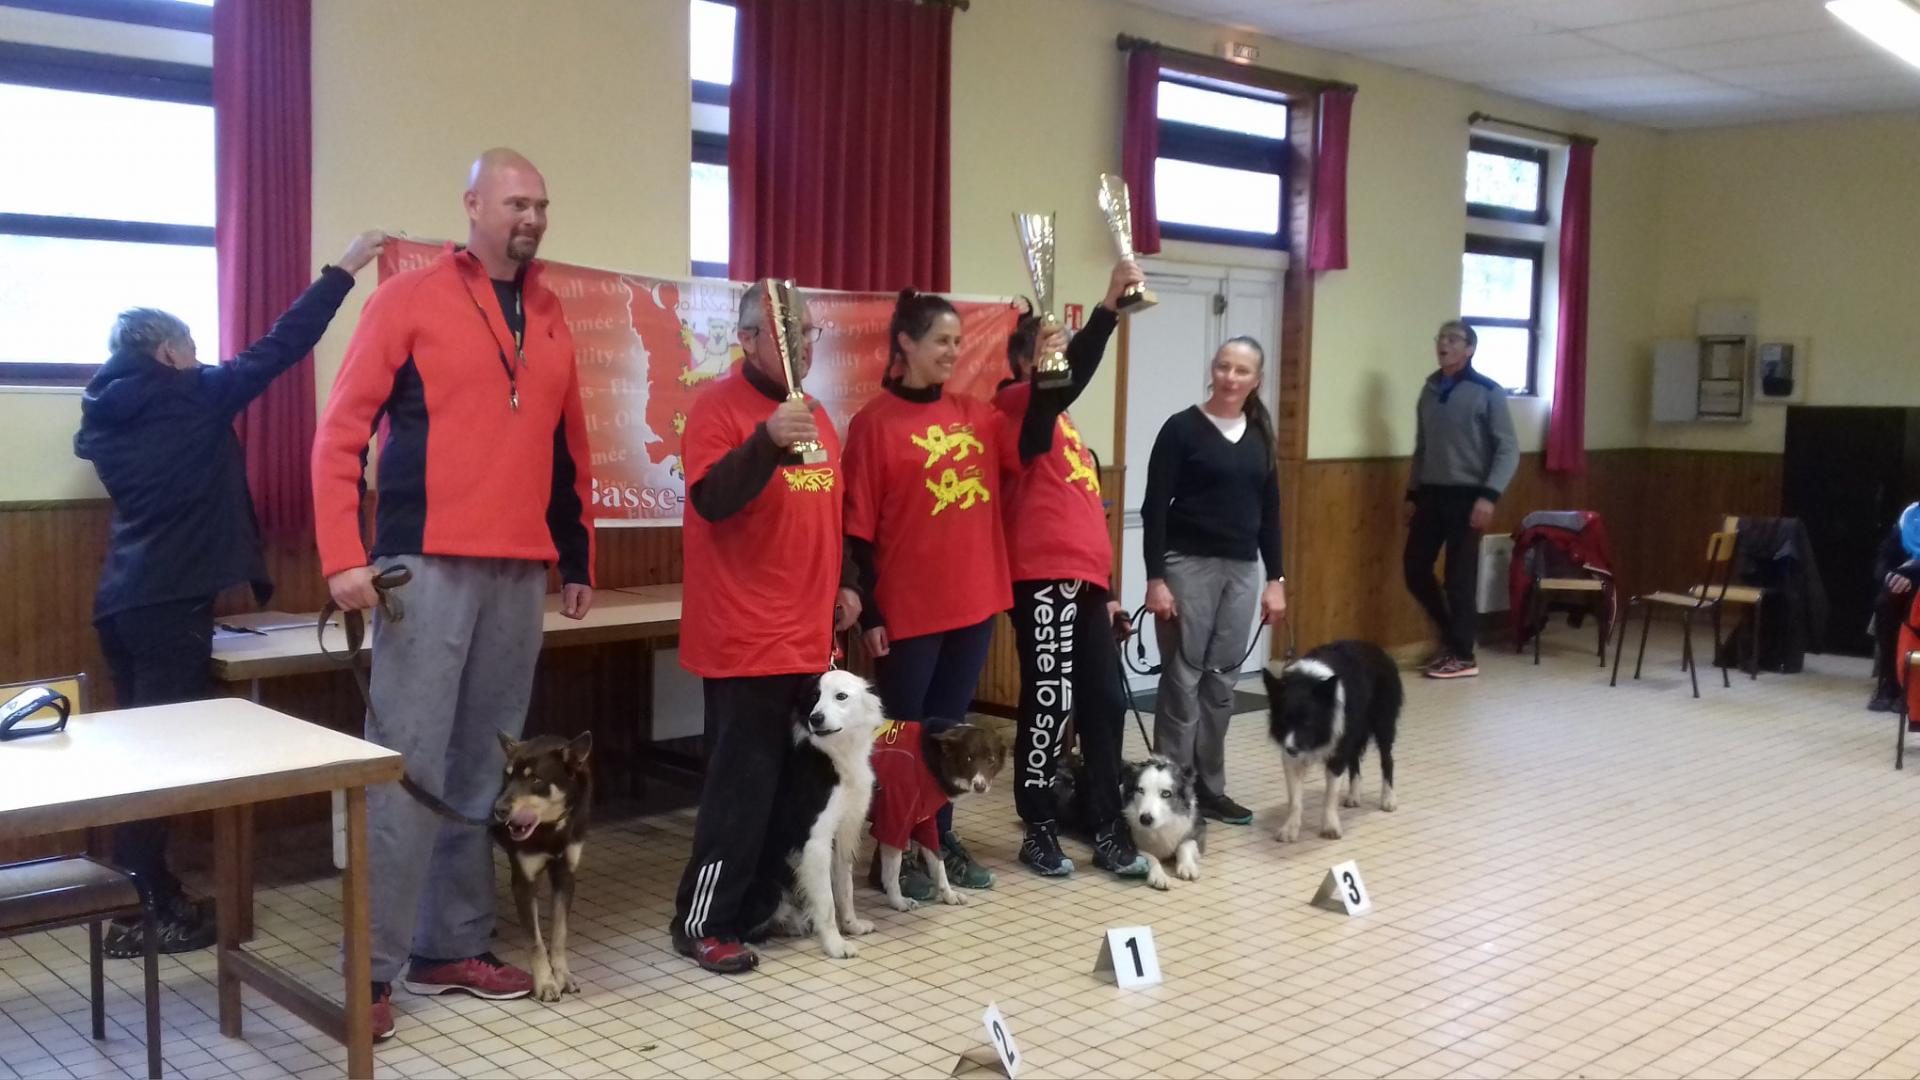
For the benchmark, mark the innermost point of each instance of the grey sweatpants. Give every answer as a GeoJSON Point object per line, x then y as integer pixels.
{"type": "Point", "coordinates": [1215, 598]}
{"type": "Point", "coordinates": [454, 670]}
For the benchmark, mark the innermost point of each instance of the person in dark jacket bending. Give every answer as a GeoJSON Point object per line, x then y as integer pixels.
{"type": "Point", "coordinates": [1896, 570]}
{"type": "Point", "coordinates": [158, 426]}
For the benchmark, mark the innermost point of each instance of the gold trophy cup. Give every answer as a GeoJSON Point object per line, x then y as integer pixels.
{"type": "Point", "coordinates": [1116, 202]}
{"type": "Point", "coordinates": [1050, 370]}
{"type": "Point", "coordinates": [783, 319]}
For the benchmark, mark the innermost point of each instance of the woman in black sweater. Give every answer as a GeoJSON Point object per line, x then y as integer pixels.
{"type": "Point", "coordinates": [1212, 517]}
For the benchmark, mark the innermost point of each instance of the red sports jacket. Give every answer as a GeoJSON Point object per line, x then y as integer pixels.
{"type": "Point", "coordinates": [462, 472]}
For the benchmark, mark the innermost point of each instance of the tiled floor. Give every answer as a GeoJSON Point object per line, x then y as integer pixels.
{"type": "Point", "coordinates": [1579, 882]}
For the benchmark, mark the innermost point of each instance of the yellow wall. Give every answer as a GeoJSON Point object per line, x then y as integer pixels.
{"type": "Point", "coordinates": [405, 94]}
{"type": "Point", "coordinates": [1815, 222]}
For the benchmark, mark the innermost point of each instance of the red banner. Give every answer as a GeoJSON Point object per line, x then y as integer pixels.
{"type": "Point", "coordinates": [646, 347]}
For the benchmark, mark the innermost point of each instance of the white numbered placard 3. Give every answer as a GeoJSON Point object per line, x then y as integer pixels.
{"type": "Point", "coordinates": [1128, 952]}
{"type": "Point", "coordinates": [1343, 890]}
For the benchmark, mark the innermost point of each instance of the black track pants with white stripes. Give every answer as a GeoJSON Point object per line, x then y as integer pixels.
{"type": "Point", "coordinates": [750, 720]}
{"type": "Point", "coordinates": [1068, 668]}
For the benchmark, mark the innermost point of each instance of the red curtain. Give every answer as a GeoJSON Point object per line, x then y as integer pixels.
{"type": "Point", "coordinates": [1140, 146]}
{"type": "Point", "coordinates": [839, 152]}
{"type": "Point", "coordinates": [263, 132]}
{"type": "Point", "coordinates": [1327, 243]}
{"type": "Point", "coordinates": [1567, 425]}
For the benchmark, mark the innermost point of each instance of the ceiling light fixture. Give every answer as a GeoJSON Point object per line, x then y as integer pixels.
{"type": "Point", "coordinates": [1894, 25]}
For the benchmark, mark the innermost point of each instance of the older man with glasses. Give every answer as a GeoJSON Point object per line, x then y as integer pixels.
{"type": "Point", "coordinates": [768, 583]}
{"type": "Point", "coordinates": [1464, 455]}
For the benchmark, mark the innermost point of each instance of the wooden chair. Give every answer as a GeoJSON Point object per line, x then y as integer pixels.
{"type": "Point", "coordinates": [1594, 588]}
{"type": "Point", "coordinates": [1745, 596]}
{"type": "Point", "coordinates": [71, 890]}
{"type": "Point", "coordinates": [1720, 549]}
{"type": "Point", "coordinates": [1902, 717]}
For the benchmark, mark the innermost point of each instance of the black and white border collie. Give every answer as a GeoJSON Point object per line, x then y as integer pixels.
{"type": "Point", "coordinates": [804, 883]}
{"type": "Point", "coordinates": [1164, 817]}
{"type": "Point", "coordinates": [1324, 708]}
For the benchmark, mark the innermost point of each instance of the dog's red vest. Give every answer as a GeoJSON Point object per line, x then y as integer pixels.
{"type": "Point", "coordinates": [906, 796]}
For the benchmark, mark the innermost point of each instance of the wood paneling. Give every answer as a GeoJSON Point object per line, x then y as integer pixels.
{"type": "Point", "coordinates": [1345, 527]}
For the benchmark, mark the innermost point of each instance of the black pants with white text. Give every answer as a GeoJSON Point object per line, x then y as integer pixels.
{"type": "Point", "coordinates": [1069, 668]}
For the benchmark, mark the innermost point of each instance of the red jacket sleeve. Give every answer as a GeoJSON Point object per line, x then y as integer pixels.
{"type": "Point", "coordinates": [381, 343]}
{"type": "Point", "coordinates": [570, 506]}
{"type": "Point", "coordinates": [862, 465]}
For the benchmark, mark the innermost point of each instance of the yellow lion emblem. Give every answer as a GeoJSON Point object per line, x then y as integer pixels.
{"type": "Point", "coordinates": [938, 442]}
{"type": "Point", "coordinates": [820, 479]}
{"type": "Point", "coordinates": [1079, 470]}
{"type": "Point", "coordinates": [953, 488]}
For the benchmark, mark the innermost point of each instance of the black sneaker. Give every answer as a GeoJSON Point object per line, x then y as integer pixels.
{"type": "Point", "coordinates": [1885, 699]}
{"type": "Point", "coordinates": [1224, 810]}
{"type": "Point", "coordinates": [1041, 851]}
{"type": "Point", "coordinates": [1113, 851]}
{"type": "Point", "coordinates": [181, 925]}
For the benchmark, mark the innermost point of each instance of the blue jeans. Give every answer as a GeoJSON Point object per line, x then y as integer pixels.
{"type": "Point", "coordinates": [931, 678]}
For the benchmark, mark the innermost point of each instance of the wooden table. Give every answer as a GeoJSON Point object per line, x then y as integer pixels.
{"type": "Point", "coordinates": [222, 755]}
{"type": "Point", "coordinates": [632, 614]}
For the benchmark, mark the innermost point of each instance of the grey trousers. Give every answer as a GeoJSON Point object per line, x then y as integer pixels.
{"type": "Point", "coordinates": [1216, 600]}
{"type": "Point", "coordinates": [455, 670]}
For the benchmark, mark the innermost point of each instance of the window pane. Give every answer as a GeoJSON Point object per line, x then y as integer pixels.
{"type": "Point", "coordinates": [1497, 180]}
{"type": "Point", "coordinates": [1496, 286]}
{"type": "Point", "coordinates": [98, 156]}
{"type": "Point", "coordinates": [1228, 112]}
{"type": "Point", "coordinates": [59, 297]}
{"type": "Point", "coordinates": [1502, 355]}
{"type": "Point", "coordinates": [712, 54]}
{"type": "Point", "coordinates": [708, 223]}
{"type": "Point", "coordinates": [1188, 193]}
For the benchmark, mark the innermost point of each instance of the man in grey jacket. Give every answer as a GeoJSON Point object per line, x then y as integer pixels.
{"type": "Point", "coordinates": [1464, 454]}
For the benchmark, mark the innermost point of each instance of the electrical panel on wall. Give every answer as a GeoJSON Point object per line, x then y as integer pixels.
{"type": "Point", "coordinates": [1708, 379]}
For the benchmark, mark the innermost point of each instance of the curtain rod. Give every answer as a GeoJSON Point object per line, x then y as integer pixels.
{"type": "Point", "coordinates": [1570, 136]}
{"type": "Point", "coordinates": [1128, 43]}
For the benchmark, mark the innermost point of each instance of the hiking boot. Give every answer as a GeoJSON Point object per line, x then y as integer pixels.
{"type": "Point", "coordinates": [915, 883]}
{"type": "Point", "coordinates": [1113, 851]}
{"type": "Point", "coordinates": [1041, 851]}
{"type": "Point", "coordinates": [720, 955]}
{"type": "Point", "coordinates": [1453, 668]}
{"type": "Point", "coordinates": [962, 871]}
{"type": "Point", "coordinates": [181, 924]}
{"type": "Point", "coordinates": [484, 976]}
{"type": "Point", "coordinates": [1223, 810]}
{"type": "Point", "coordinates": [382, 1011]}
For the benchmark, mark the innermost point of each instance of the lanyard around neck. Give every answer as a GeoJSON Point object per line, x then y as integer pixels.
{"type": "Point", "coordinates": [512, 368]}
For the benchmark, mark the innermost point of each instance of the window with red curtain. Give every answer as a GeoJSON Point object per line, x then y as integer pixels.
{"type": "Point", "coordinates": [263, 119]}
{"type": "Point", "coordinates": [838, 153]}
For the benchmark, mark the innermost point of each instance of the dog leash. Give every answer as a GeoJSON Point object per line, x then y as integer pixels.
{"type": "Point", "coordinates": [354, 625]}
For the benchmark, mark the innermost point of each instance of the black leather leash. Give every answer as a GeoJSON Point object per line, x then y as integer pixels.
{"type": "Point", "coordinates": [354, 625]}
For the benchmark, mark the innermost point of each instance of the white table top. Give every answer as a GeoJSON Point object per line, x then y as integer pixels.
{"type": "Point", "coordinates": [127, 764]}
{"type": "Point", "coordinates": [617, 614]}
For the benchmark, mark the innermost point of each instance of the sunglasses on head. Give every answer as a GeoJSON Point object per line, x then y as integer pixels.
{"type": "Point", "coordinates": [37, 710]}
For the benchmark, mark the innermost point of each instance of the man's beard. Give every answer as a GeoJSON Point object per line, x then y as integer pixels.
{"type": "Point", "coordinates": [522, 248]}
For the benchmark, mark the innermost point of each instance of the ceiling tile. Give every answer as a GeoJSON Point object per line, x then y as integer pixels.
{"type": "Point", "coordinates": [1584, 14]}
{"type": "Point", "coordinates": [1760, 18]}
{"type": "Point", "coordinates": [1836, 43]}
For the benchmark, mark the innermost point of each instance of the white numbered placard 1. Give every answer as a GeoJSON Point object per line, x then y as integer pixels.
{"type": "Point", "coordinates": [1128, 952]}
{"type": "Point", "coordinates": [1002, 1040]}
{"type": "Point", "coordinates": [1342, 890]}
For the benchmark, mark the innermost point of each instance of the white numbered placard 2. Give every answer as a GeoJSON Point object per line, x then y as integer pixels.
{"type": "Point", "coordinates": [1342, 890]}
{"type": "Point", "coordinates": [1002, 1040]}
{"type": "Point", "coordinates": [1128, 952]}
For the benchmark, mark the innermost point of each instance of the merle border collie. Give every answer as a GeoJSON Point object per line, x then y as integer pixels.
{"type": "Point", "coordinates": [1164, 817]}
{"type": "Point", "coordinates": [1325, 707]}
{"type": "Point", "coordinates": [804, 883]}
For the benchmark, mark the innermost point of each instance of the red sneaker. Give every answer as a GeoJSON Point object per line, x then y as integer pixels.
{"type": "Point", "coordinates": [722, 956]}
{"type": "Point", "coordinates": [382, 1014]}
{"type": "Point", "coordinates": [483, 976]}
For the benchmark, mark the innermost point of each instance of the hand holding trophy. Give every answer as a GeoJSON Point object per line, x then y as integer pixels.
{"type": "Point", "coordinates": [1050, 370]}
{"type": "Point", "coordinates": [784, 323]}
{"type": "Point", "coordinates": [1117, 204]}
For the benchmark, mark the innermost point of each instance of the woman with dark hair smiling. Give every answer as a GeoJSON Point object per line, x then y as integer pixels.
{"type": "Point", "coordinates": [923, 522]}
